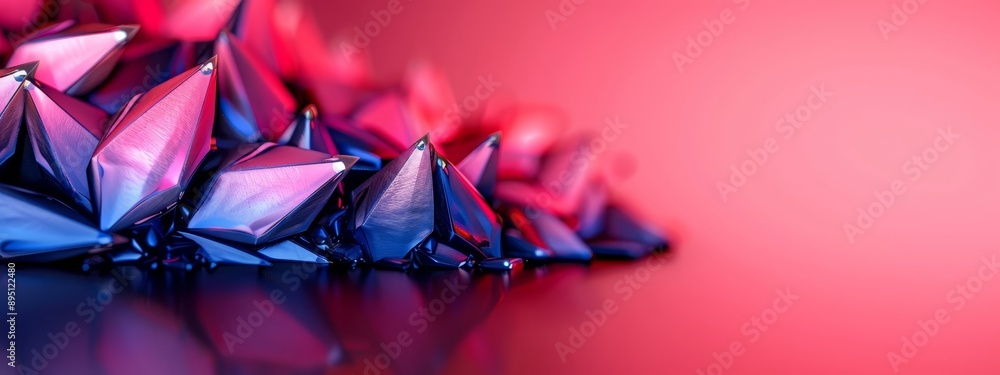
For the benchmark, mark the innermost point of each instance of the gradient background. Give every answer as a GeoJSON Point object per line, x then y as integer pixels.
{"type": "Point", "coordinates": [784, 227]}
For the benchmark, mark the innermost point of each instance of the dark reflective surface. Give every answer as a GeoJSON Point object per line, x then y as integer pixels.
{"type": "Point", "coordinates": [290, 318]}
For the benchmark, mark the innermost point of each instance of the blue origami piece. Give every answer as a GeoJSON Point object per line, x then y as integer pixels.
{"type": "Point", "coordinates": [394, 209]}
{"type": "Point", "coordinates": [38, 228]}
{"type": "Point", "coordinates": [12, 82]}
{"type": "Point", "coordinates": [480, 166]}
{"type": "Point", "coordinates": [463, 219]}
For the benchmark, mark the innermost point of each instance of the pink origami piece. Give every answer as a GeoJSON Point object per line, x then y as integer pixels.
{"type": "Point", "coordinates": [153, 149]}
{"type": "Point", "coordinates": [76, 59]}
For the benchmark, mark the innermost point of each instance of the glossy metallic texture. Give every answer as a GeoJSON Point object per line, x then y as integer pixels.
{"type": "Point", "coordinates": [394, 209]}
{"type": "Point", "coordinates": [153, 149]}
{"type": "Point", "coordinates": [12, 82]}
{"type": "Point", "coordinates": [268, 193]}
{"type": "Point", "coordinates": [336, 137]}
{"type": "Point", "coordinates": [74, 59]}
{"type": "Point", "coordinates": [434, 255]}
{"type": "Point", "coordinates": [340, 136]}
{"type": "Point", "coordinates": [38, 228]}
{"type": "Point", "coordinates": [254, 102]}
{"type": "Point", "coordinates": [463, 219]}
{"type": "Point", "coordinates": [480, 166]}
{"type": "Point", "coordinates": [63, 132]}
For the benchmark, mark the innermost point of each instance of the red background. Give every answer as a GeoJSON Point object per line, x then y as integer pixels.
{"type": "Point", "coordinates": [785, 227]}
{"type": "Point", "coordinates": [781, 230]}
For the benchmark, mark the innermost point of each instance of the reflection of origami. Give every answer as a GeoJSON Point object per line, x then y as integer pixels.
{"type": "Point", "coordinates": [39, 228]}
{"type": "Point", "coordinates": [270, 192]}
{"type": "Point", "coordinates": [74, 59]}
{"type": "Point", "coordinates": [152, 150]}
{"type": "Point", "coordinates": [63, 133]}
{"type": "Point", "coordinates": [12, 82]}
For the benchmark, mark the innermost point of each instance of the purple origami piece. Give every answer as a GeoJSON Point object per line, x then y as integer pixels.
{"type": "Point", "coordinates": [63, 132]}
{"type": "Point", "coordinates": [342, 136]}
{"type": "Point", "coordinates": [153, 149]}
{"type": "Point", "coordinates": [462, 218]}
{"type": "Point", "coordinates": [173, 190]}
{"type": "Point", "coordinates": [267, 193]}
{"type": "Point", "coordinates": [480, 166]}
{"type": "Point", "coordinates": [254, 102]}
{"type": "Point", "coordinates": [434, 255]}
{"type": "Point", "coordinates": [12, 82]}
{"type": "Point", "coordinates": [394, 209]}
{"type": "Point", "coordinates": [74, 59]}
{"type": "Point", "coordinates": [300, 132]}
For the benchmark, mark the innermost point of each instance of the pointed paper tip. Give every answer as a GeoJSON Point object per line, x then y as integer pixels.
{"type": "Point", "coordinates": [494, 139]}
{"type": "Point", "coordinates": [348, 161]}
{"type": "Point", "coordinates": [26, 71]}
{"type": "Point", "coordinates": [310, 112]}
{"type": "Point", "coordinates": [423, 141]}
{"type": "Point", "coordinates": [209, 66]}
{"type": "Point", "coordinates": [224, 37]}
{"type": "Point", "coordinates": [125, 33]}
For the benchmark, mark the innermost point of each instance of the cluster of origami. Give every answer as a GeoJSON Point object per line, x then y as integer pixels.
{"type": "Point", "coordinates": [221, 143]}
